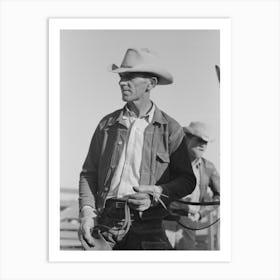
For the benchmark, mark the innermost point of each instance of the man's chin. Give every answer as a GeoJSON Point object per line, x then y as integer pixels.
{"type": "Point", "coordinates": [125, 99]}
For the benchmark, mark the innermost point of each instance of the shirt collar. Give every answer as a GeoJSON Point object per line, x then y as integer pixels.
{"type": "Point", "coordinates": [197, 162]}
{"type": "Point", "coordinates": [158, 116]}
{"type": "Point", "coordinates": [127, 113]}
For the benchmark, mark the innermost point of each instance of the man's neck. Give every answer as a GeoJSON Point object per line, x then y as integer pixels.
{"type": "Point", "coordinates": [140, 109]}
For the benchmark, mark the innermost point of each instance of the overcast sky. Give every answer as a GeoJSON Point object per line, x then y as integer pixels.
{"type": "Point", "coordinates": [89, 91]}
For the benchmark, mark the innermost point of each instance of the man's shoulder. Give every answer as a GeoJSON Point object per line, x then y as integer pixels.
{"type": "Point", "coordinates": [109, 118]}
{"type": "Point", "coordinates": [174, 130]}
{"type": "Point", "coordinates": [173, 124]}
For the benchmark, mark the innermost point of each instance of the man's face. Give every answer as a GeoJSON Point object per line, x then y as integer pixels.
{"type": "Point", "coordinates": [134, 86]}
{"type": "Point", "coordinates": [196, 146]}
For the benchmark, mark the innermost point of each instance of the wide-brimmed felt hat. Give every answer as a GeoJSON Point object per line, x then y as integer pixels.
{"type": "Point", "coordinates": [145, 61]}
{"type": "Point", "coordinates": [199, 129]}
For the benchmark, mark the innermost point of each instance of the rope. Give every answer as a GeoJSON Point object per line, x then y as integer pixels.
{"type": "Point", "coordinates": [208, 203]}
{"type": "Point", "coordinates": [127, 220]}
{"type": "Point", "coordinates": [198, 203]}
{"type": "Point", "coordinates": [208, 226]}
{"type": "Point", "coordinates": [183, 212]}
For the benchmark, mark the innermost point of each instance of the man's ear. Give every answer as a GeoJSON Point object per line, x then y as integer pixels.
{"type": "Point", "coordinates": [153, 83]}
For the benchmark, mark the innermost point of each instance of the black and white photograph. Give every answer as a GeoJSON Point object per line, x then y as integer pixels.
{"type": "Point", "coordinates": [140, 139]}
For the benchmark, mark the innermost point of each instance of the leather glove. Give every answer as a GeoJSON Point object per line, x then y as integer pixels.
{"type": "Point", "coordinates": [87, 224]}
{"type": "Point", "coordinates": [153, 191]}
{"type": "Point", "coordinates": [195, 217]}
{"type": "Point", "coordinates": [139, 201]}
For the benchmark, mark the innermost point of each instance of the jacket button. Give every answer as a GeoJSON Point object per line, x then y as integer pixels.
{"type": "Point", "coordinates": [120, 142]}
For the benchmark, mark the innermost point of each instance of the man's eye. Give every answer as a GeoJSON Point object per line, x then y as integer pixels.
{"type": "Point", "coordinates": [130, 76]}
{"type": "Point", "coordinates": [126, 77]}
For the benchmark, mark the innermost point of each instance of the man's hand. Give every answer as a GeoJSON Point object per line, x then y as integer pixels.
{"type": "Point", "coordinates": [139, 201]}
{"type": "Point", "coordinates": [195, 217]}
{"type": "Point", "coordinates": [86, 225]}
{"type": "Point", "coordinates": [154, 192]}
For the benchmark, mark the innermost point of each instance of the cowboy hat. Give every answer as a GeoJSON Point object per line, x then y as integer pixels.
{"type": "Point", "coordinates": [143, 60]}
{"type": "Point", "coordinates": [199, 129]}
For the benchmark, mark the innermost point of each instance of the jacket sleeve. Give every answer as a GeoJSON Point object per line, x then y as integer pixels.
{"type": "Point", "coordinates": [214, 183]}
{"type": "Point", "coordinates": [89, 176]}
{"type": "Point", "coordinates": [182, 179]}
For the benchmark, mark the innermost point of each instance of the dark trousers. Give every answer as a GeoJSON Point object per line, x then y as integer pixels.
{"type": "Point", "coordinates": [143, 234]}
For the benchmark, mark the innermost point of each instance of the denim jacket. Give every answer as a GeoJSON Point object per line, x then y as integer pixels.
{"type": "Point", "coordinates": [165, 160]}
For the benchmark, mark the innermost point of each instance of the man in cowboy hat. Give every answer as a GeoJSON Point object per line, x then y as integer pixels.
{"type": "Point", "coordinates": [207, 182]}
{"type": "Point", "coordinates": [136, 164]}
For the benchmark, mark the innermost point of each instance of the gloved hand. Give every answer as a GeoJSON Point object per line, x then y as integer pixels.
{"type": "Point", "coordinates": [195, 217]}
{"type": "Point", "coordinates": [153, 190]}
{"type": "Point", "coordinates": [87, 217]}
{"type": "Point", "coordinates": [194, 214]}
{"type": "Point", "coordinates": [139, 201]}
{"type": "Point", "coordinates": [147, 196]}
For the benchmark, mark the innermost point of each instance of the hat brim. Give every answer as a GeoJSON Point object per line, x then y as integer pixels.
{"type": "Point", "coordinates": [164, 77]}
{"type": "Point", "coordinates": [189, 130]}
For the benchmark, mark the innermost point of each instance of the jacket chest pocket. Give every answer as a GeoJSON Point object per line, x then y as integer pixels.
{"type": "Point", "coordinates": [162, 164]}
{"type": "Point", "coordinates": [117, 150]}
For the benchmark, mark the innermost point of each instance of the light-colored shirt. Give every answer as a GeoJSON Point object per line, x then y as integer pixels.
{"type": "Point", "coordinates": [127, 174]}
{"type": "Point", "coordinates": [194, 196]}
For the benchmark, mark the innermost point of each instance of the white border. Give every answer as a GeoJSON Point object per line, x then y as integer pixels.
{"type": "Point", "coordinates": [55, 25]}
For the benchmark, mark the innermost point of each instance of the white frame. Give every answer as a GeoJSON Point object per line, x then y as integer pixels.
{"type": "Point", "coordinates": [55, 25]}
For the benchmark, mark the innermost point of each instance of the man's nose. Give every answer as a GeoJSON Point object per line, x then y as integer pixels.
{"type": "Point", "coordinates": [122, 81]}
{"type": "Point", "coordinates": [203, 145]}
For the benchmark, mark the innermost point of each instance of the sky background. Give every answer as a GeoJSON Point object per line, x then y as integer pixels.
{"type": "Point", "coordinates": [89, 91]}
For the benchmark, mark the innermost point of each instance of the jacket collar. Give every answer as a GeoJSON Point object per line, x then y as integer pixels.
{"type": "Point", "coordinates": [118, 117]}
{"type": "Point", "coordinates": [158, 116]}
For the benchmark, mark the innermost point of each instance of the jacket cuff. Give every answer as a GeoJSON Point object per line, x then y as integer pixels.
{"type": "Point", "coordinates": [86, 202]}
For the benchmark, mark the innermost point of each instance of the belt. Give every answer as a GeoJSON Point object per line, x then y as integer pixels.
{"type": "Point", "coordinates": [115, 206]}
{"type": "Point", "coordinates": [132, 220]}
{"type": "Point", "coordinates": [115, 203]}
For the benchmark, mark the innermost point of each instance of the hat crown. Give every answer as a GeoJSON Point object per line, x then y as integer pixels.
{"type": "Point", "coordinates": [135, 57]}
{"type": "Point", "coordinates": [143, 60]}
{"type": "Point", "coordinates": [199, 129]}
